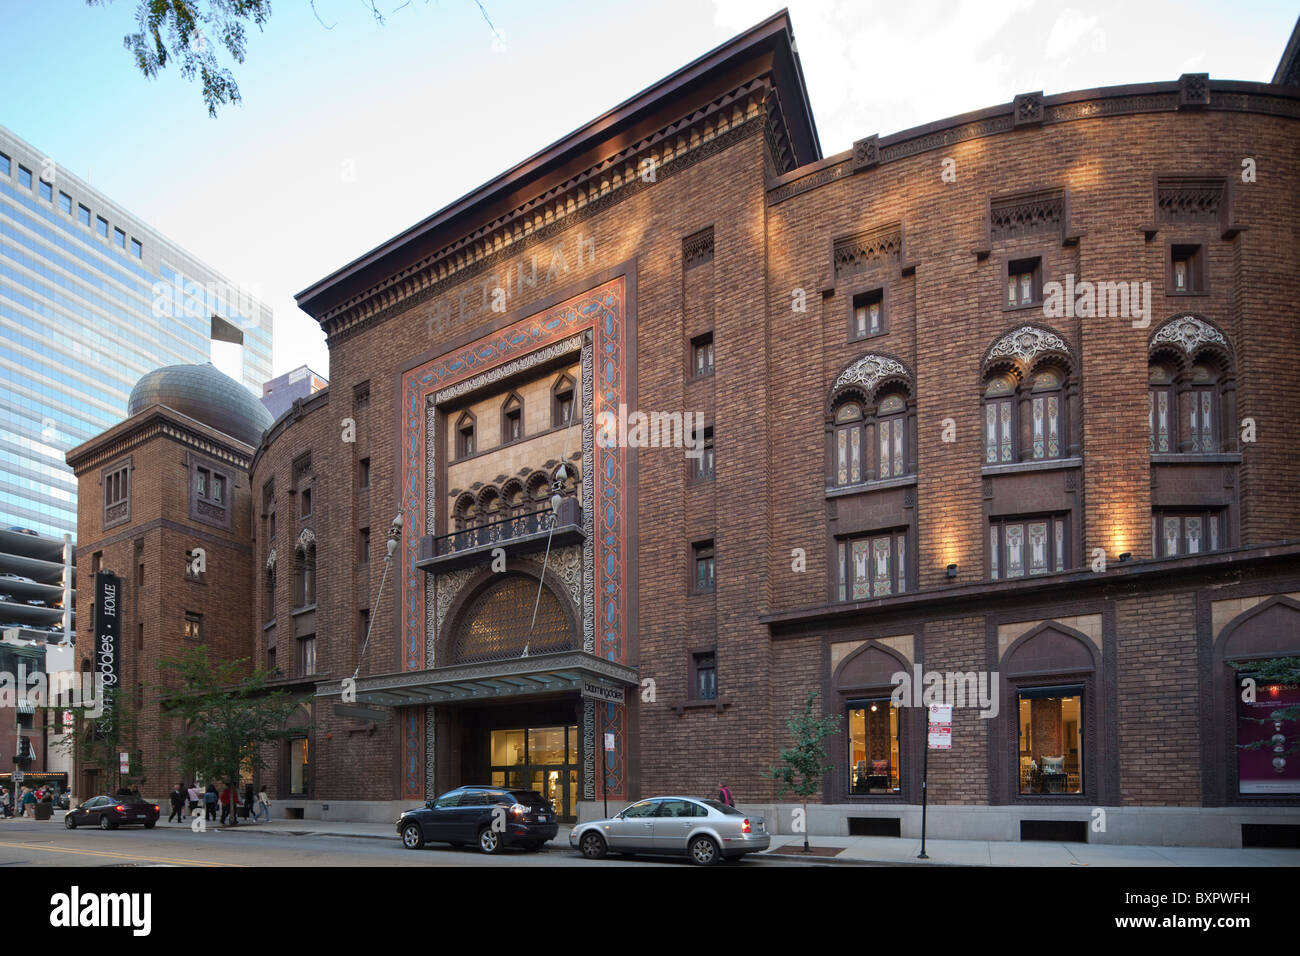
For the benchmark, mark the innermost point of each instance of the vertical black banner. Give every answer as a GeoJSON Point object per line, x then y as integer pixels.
{"type": "Point", "coordinates": [108, 644]}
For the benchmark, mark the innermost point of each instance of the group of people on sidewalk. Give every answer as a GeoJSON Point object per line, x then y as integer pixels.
{"type": "Point", "coordinates": [227, 798]}
{"type": "Point", "coordinates": [27, 799]}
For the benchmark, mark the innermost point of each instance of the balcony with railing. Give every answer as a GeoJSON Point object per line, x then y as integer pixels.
{"type": "Point", "coordinates": [514, 533]}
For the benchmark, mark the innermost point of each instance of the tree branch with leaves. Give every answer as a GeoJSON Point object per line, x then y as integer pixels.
{"type": "Point", "coordinates": [803, 765]}
{"type": "Point", "coordinates": [225, 713]}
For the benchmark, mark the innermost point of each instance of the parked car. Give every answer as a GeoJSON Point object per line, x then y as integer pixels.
{"type": "Point", "coordinates": [36, 602]}
{"type": "Point", "coordinates": [706, 831]}
{"type": "Point", "coordinates": [35, 534]}
{"type": "Point", "coordinates": [6, 597]}
{"type": "Point", "coordinates": [109, 813]}
{"type": "Point", "coordinates": [16, 577]}
{"type": "Point", "coordinates": [492, 817]}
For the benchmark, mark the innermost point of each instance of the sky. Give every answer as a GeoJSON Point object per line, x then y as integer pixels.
{"type": "Point", "coordinates": [351, 131]}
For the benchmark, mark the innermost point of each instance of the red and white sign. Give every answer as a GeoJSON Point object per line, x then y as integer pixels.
{"type": "Point", "coordinates": [125, 761]}
{"type": "Point", "coordinates": [940, 727]}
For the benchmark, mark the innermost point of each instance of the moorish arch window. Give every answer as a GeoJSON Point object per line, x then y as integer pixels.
{"type": "Point", "coordinates": [1029, 409]}
{"type": "Point", "coordinates": [562, 393]}
{"type": "Point", "coordinates": [465, 512]}
{"type": "Point", "coordinates": [512, 419]}
{"type": "Point", "coordinates": [1190, 388]}
{"type": "Point", "coordinates": [872, 422]}
{"type": "Point", "coordinates": [512, 497]}
{"type": "Point", "coordinates": [498, 625]}
{"type": "Point", "coordinates": [304, 571]}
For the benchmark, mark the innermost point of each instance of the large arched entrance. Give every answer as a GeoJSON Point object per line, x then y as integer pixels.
{"type": "Point", "coordinates": [533, 743]}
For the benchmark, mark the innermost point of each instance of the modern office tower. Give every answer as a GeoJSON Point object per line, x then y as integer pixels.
{"type": "Point", "coordinates": [92, 298]}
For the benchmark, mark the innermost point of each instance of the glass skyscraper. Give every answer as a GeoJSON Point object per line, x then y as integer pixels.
{"type": "Point", "coordinates": [91, 299]}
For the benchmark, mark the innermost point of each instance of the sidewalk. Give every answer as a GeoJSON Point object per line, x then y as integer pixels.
{"type": "Point", "coordinates": [887, 849]}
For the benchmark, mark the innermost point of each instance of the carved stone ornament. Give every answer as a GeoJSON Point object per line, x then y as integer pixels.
{"type": "Point", "coordinates": [1027, 108]}
{"type": "Point", "coordinates": [1026, 342]}
{"type": "Point", "coordinates": [866, 152]}
{"type": "Point", "coordinates": [1188, 333]}
{"type": "Point", "coordinates": [308, 537]}
{"type": "Point", "coordinates": [270, 560]}
{"type": "Point", "coordinates": [1194, 89]}
{"type": "Point", "coordinates": [869, 370]}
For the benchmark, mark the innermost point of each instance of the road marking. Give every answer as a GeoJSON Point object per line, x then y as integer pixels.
{"type": "Point", "coordinates": [121, 856]}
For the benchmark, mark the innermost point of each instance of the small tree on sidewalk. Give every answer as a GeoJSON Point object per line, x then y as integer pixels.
{"type": "Point", "coordinates": [804, 764]}
{"type": "Point", "coordinates": [97, 743]}
{"type": "Point", "coordinates": [224, 712]}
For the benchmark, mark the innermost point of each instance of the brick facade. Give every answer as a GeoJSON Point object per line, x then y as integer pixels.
{"type": "Point", "coordinates": [778, 309]}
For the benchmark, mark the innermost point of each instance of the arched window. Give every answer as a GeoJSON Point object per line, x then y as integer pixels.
{"type": "Point", "coordinates": [269, 595]}
{"type": "Point", "coordinates": [848, 444]}
{"type": "Point", "coordinates": [512, 419]}
{"type": "Point", "coordinates": [1161, 407]}
{"type": "Point", "coordinates": [512, 497]}
{"type": "Point", "coordinates": [872, 422]}
{"type": "Point", "coordinates": [304, 589]}
{"type": "Point", "coordinates": [1027, 413]}
{"type": "Point", "coordinates": [465, 443]}
{"type": "Point", "coordinates": [1000, 419]}
{"type": "Point", "coordinates": [562, 393]}
{"type": "Point", "coordinates": [465, 512]}
{"type": "Point", "coordinates": [1190, 387]}
{"type": "Point", "coordinates": [891, 428]}
{"type": "Point", "coordinates": [1203, 411]}
{"type": "Point", "coordinates": [1045, 413]}
{"type": "Point", "coordinates": [489, 503]}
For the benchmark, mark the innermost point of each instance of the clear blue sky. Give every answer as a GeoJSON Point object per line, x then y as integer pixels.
{"type": "Point", "coordinates": [348, 135]}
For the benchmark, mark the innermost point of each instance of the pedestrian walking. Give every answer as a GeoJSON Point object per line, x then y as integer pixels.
{"type": "Point", "coordinates": [29, 800]}
{"type": "Point", "coordinates": [210, 803]}
{"type": "Point", "coordinates": [178, 804]}
{"type": "Point", "coordinates": [724, 795]}
{"type": "Point", "coordinates": [229, 800]}
{"type": "Point", "coordinates": [194, 796]}
{"type": "Point", "coordinates": [249, 799]}
{"type": "Point", "coordinates": [263, 804]}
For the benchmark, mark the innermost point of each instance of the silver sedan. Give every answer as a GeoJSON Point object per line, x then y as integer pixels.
{"type": "Point", "coordinates": [706, 831]}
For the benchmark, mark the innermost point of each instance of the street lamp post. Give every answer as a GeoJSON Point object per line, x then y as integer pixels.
{"type": "Point", "coordinates": [394, 536]}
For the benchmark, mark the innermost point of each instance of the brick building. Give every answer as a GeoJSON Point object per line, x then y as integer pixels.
{"type": "Point", "coordinates": [919, 368]}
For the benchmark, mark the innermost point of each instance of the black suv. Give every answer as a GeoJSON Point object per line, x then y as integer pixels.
{"type": "Point", "coordinates": [492, 817]}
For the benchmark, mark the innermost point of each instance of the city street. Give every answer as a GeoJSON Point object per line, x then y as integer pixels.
{"type": "Point", "coordinates": [27, 843]}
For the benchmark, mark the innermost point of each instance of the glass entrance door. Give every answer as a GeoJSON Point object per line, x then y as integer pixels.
{"type": "Point", "coordinates": [544, 759]}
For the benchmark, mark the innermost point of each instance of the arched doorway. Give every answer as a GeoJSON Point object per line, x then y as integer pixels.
{"type": "Point", "coordinates": [528, 739]}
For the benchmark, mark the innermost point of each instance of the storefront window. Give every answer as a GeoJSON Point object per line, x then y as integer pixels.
{"type": "Point", "coordinates": [546, 745]}
{"type": "Point", "coordinates": [507, 748]}
{"type": "Point", "coordinates": [873, 747]}
{"type": "Point", "coordinates": [1051, 740]}
{"type": "Point", "coordinates": [538, 758]}
{"type": "Point", "coordinates": [1267, 769]}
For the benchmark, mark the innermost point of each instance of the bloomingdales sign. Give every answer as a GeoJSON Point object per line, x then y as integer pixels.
{"type": "Point", "coordinates": [108, 645]}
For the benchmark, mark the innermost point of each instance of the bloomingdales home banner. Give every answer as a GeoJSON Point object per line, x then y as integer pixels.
{"type": "Point", "coordinates": [108, 644]}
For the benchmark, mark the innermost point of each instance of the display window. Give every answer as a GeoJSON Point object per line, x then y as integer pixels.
{"type": "Point", "coordinates": [874, 758]}
{"type": "Point", "coordinates": [1051, 740]}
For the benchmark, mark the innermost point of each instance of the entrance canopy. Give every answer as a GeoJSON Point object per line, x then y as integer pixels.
{"type": "Point", "coordinates": [520, 677]}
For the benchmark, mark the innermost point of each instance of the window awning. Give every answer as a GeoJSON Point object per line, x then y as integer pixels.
{"type": "Point", "coordinates": [536, 676]}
